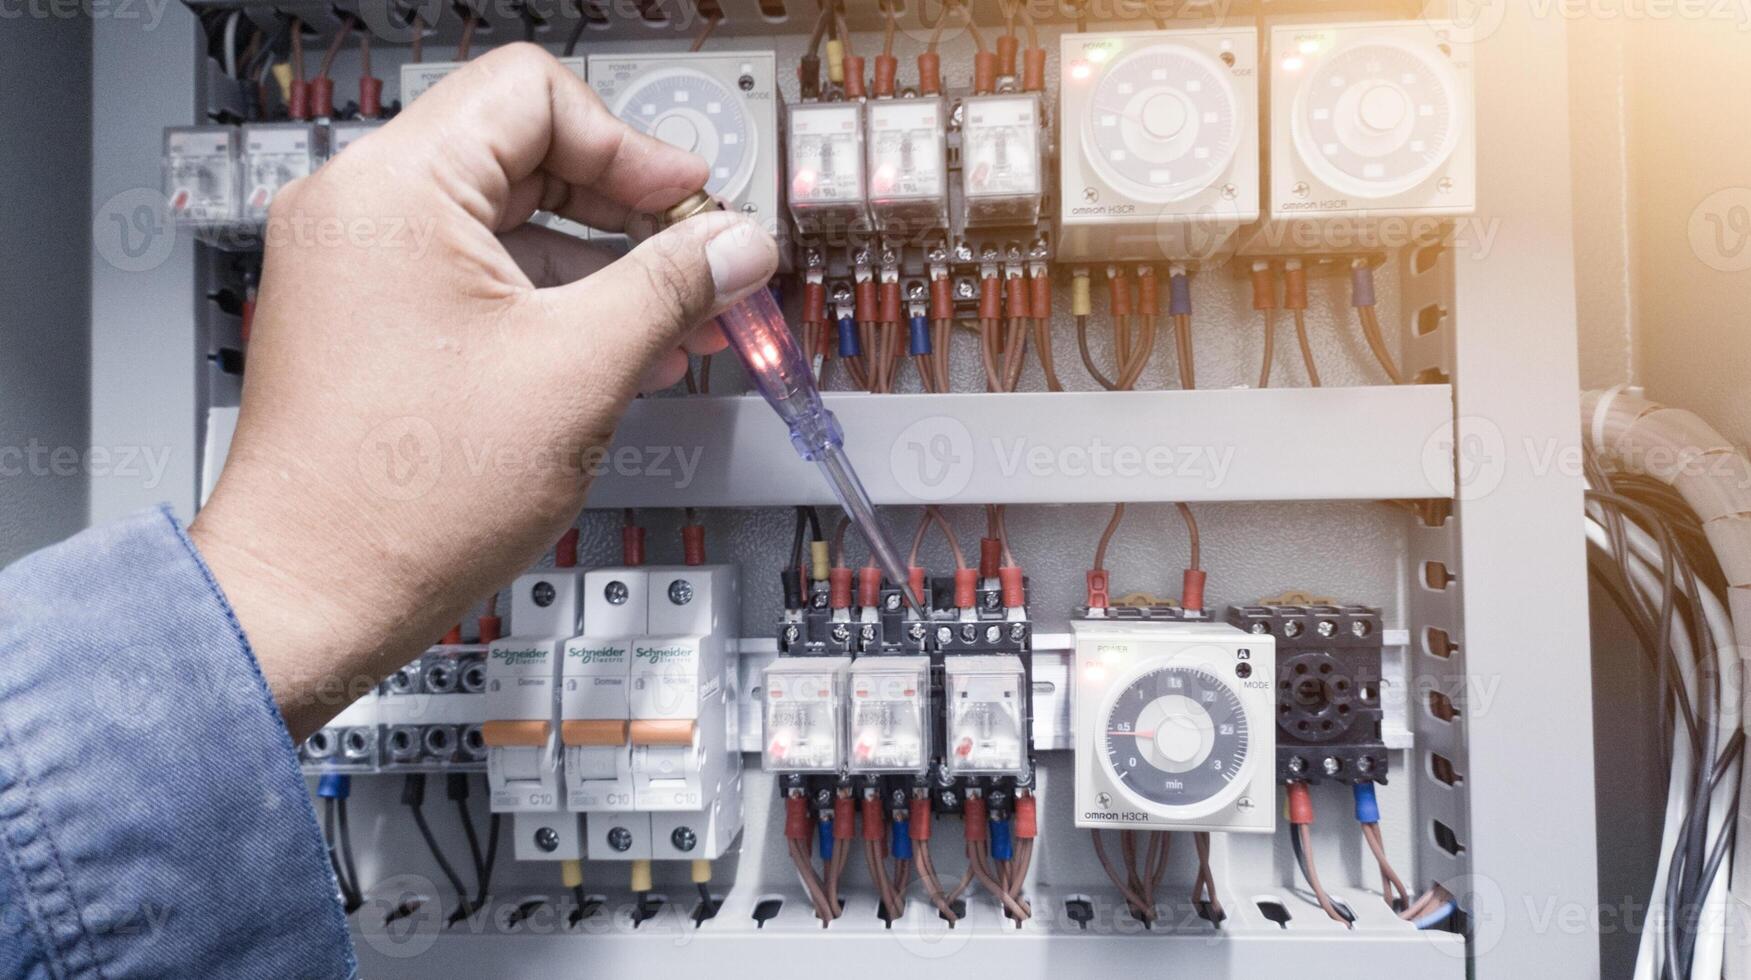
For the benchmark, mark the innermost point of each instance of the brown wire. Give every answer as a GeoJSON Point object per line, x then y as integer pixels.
{"type": "Point", "coordinates": [1106, 537]}
{"type": "Point", "coordinates": [878, 874]}
{"type": "Point", "coordinates": [1270, 348]}
{"type": "Point", "coordinates": [1088, 357]}
{"type": "Point", "coordinates": [982, 871]}
{"type": "Point", "coordinates": [465, 43]}
{"type": "Point", "coordinates": [811, 882]}
{"type": "Point", "coordinates": [940, 360]}
{"type": "Point", "coordinates": [1306, 348]}
{"type": "Point", "coordinates": [1001, 515]}
{"type": "Point", "coordinates": [1188, 373]}
{"type": "Point", "coordinates": [297, 51]}
{"type": "Point", "coordinates": [1313, 882]}
{"type": "Point", "coordinates": [418, 41]}
{"type": "Point", "coordinates": [1139, 354]}
{"type": "Point", "coordinates": [1106, 862]}
{"type": "Point", "coordinates": [1206, 879]}
{"type": "Point", "coordinates": [705, 35]}
{"type": "Point", "coordinates": [1389, 879]}
{"type": "Point", "coordinates": [340, 38]}
{"type": "Point", "coordinates": [932, 885]}
{"type": "Point", "coordinates": [987, 351]}
{"type": "Point", "coordinates": [1377, 343]}
{"type": "Point", "coordinates": [1043, 346]}
{"type": "Point", "coordinates": [1185, 513]}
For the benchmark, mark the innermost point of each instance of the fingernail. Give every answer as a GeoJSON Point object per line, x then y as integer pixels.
{"type": "Point", "coordinates": [741, 257]}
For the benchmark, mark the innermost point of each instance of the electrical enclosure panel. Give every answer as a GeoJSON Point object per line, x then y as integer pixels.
{"type": "Point", "coordinates": [826, 168]}
{"type": "Point", "coordinates": [1001, 161]}
{"type": "Point", "coordinates": [343, 134]}
{"type": "Point", "coordinates": [202, 174]}
{"type": "Point", "coordinates": [417, 77]}
{"type": "Point", "coordinates": [522, 745]}
{"type": "Point", "coordinates": [720, 106]}
{"type": "Point", "coordinates": [890, 715]}
{"type": "Point", "coordinates": [908, 165]}
{"type": "Point", "coordinates": [987, 715]}
{"type": "Point", "coordinates": [1160, 150]}
{"type": "Point", "coordinates": [1174, 726]}
{"type": "Point", "coordinates": [274, 155]}
{"type": "Point", "coordinates": [803, 698]}
{"type": "Point", "coordinates": [1372, 120]}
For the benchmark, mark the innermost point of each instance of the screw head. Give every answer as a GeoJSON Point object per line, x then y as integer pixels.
{"type": "Point", "coordinates": [1301, 189]}
{"type": "Point", "coordinates": [841, 632]}
{"type": "Point", "coordinates": [620, 839]}
{"type": "Point", "coordinates": [792, 633]}
{"type": "Point", "coordinates": [1365, 764]}
{"type": "Point", "coordinates": [915, 632]}
{"type": "Point", "coordinates": [891, 602]}
{"type": "Point", "coordinates": [1359, 628]}
{"type": "Point", "coordinates": [1331, 765]}
{"type": "Point", "coordinates": [1297, 764]}
{"type": "Point", "coordinates": [543, 593]}
{"type": "Point", "coordinates": [1259, 628]}
{"type": "Point", "coordinates": [745, 83]}
{"type": "Point", "coordinates": [684, 839]}
{"type": "Point", "coordinates": [993, 634]}
{"type": "Point", "coordinates": [616, 593]}
{"type": "Point", "coordinates": [1326, 628]}
{"type": "Point", "coordinates": [1229, 191]}
{"type": "Point", "coordinates": [944, 635]}
{"type": "Point", "coordinates": [1445, 185]}
{"type": "Point", "coordinates": [547, 839]}
{"type": "Point", "coordinates": [948, 798]}
{"type": "Point", "coordinates": [1243, 670]}
{"type": "Point", "coordinates": [969, 633]}
{"type": "Point", "coordinates": [680, 592]}
{"type": "Point", "coordinates": [867, 632]}
{"type": "Point", "coordinates": [1292, 629]}
{"type": "Point", "coordinates": [1018, 632]}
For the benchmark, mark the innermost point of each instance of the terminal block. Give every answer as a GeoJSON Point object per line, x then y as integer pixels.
{"type": "Point", "coordinates": [1327, 690]}
{"type": "Point", "coordinates": [348, 743]}
{"type": "Point", "coordinates": [274, 155]}
{"type": "Point", "coordinates": [432, 710]}
{"type": "Point", "coordinates": [202, 177]}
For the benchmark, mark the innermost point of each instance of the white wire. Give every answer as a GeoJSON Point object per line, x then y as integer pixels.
{"type": "Point", "coordinates": [231, 42]}
{"type": "Point", "coordinates": [1709, 952]}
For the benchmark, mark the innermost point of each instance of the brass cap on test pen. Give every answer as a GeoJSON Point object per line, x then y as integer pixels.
{"type": "Point", "coordinates": [699, 202]}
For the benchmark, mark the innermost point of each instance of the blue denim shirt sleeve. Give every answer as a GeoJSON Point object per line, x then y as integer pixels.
{"type": "Point", "coordinates": [153, 821]}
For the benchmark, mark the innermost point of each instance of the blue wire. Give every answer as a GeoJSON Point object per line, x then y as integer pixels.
{"type": "Point", "coordinates": [1432, 919]}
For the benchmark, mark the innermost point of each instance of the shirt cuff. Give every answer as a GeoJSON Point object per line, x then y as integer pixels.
{"type": "Point", "coordinates": [153, 820]}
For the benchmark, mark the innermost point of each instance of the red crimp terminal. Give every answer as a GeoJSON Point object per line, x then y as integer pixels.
{"type": "Point", "coordinates": [873, 824]}
{"type": "Point", "coordinates": [929, 73]}
{"type": "Point", "coordinates": [1120, 290]}
{"type": "Point", "coordinates": [1027, 821]}
{"type": "Point", "coordinates": [1041, 300]}
{"type": "Point", "coordinates": [796, 818]}
{"type": "Point", "coordinates": [915, 581]}
{"type": "Point", "coordinates": [1033, 70]}
{"type": "Point", "coordinates": [1148, 295]}
{"type": "Point", "coordinates": [839, 588]}
{"type": "Point", "coordinates": [990, 299]}
{"type": "Point", "coordinates": [966, 587]}
{"type": "Point", "coordinates": [370, 97]}
{"type": "Point", "coordinates": [453, 637]}
{"type": "Point", "coordinates": [975, 825]}
{"type": "Point", "coordinates": [565, 550]}
{"type": "Point", "coordinates": [1010, 578]}
{"type": "Point", "coordinates": [1191, 594]}
{"type": "Point", "coordinates": [1097, 590]}
{"type": "Point", "coordinates": [918, 822]}
{"type": "Point", "coordinates": [984, 73]}
{"type": "Point", "coordinates": [844, 818]}
{"type": "Point", "coordinates": [814, 302]}
{"type": "Point", "coordinates": [869, 586]}
{"type": "Point", "coordinates": [1295, 288]}
{"type": "Point", "coordinates": [693, 544]}
{"type": "Point", "coordinates": [942, 299]}
{"type": "Point", "coordinates": [321, 97]}
{"type": "Point", "coordinates": [1300, 804]}
{"type": "Point", "coordinates": [1018, 297]}
{"type": "Point", "coordinates": [886, 67]}
{"type": "Point", "coordinates": [1008, 46]}
{"type": "Point", "coordinates": [491, 628]}
{"type": "Point", "coordinates": [853, 77]}
{"type": "Point", "coordinates": [890, 307]}
{"type": "Point", "coordinates": [298, 101]}
{"type": "Point", "coordinates": [866, 307]}
{"type": "Point", "coordinates": [990, 557]}
{"type": "Point", "coordinates": [1264, 293]}
{"type": "Point", "coordinates": [632, 545]}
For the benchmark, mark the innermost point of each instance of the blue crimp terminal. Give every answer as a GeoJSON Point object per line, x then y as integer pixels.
{"type": "Point", "coordinates": [1179, 295]}
{"type": "Point", "coordinates": [334, 786]}
{"type": "Point", "coordinates": [824, 831]}
{"type": "Point", "coordinates": [1367, 807]}
{"type": "Point", "coordinates": [850, 344]}
{"type": "Point", "coordinates": [1361, 285]}
{"type": "Point", "coordinates": [919, 336]}
{"type": "Point", "coordinates": [900, 844]}
{"type": "Point", "coordinates": [1002, 845]}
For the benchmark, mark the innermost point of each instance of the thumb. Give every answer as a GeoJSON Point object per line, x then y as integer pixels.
{"type": "Point", "coordinates": [647, 301]}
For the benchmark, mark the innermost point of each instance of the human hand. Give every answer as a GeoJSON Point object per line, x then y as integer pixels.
{"type": "Point", "coordinates": [417, 419]}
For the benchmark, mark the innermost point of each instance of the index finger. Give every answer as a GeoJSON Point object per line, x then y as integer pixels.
{"type": "Point", "coordinates": [515, 117]}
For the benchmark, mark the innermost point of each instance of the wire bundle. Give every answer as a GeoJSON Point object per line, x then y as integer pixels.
{"type": "Point", "coordinates": [1667, 541]}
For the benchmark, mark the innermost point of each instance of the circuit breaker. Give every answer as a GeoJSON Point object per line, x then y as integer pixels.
{"type": "Point", "coordinates": [1372, 119]}
{"type": "Point", "coordinates": [1173, 726]}
{"type": "Point", "coordinates": [274, 155]}
{"type": "Point", "coordinates": [721, 106]}
{"type": "Point", "coordinates": [202, 175]}
{"type": "Point", "coordinates": [1161, 146]}
{"type": "Point", "coordinates": [522, 703]}
{"type": "Point", "coordinates": [826, 158]}
{"type": "Point", "coordinates": [908, 165]}
{"type": "Point", "coordinates": [595, 690]}
{"type": "Point", "coordinates": [1002, 161]}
